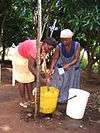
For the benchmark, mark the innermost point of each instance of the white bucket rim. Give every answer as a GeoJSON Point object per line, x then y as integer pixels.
{"type": "Point", "coordinates": [79, 90]}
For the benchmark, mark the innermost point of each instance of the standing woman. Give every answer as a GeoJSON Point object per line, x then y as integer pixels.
{"type": "Point", "coordinates": [66, 56]}
{"type": "Point", "coordinates": [24, 65]}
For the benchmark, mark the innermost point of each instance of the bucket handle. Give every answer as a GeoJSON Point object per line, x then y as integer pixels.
{"type": "Point", "coordinates": [48, 88]}
{"type": "Point", "coordinates": [72, 97]}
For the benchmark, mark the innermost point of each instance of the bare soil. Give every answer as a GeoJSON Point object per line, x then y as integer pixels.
{"type": "Point", "coordinates": [14, 119]}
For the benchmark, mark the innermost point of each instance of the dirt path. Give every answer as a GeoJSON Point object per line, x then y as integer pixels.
{"type": "Point", "coordinates": [11, 120]}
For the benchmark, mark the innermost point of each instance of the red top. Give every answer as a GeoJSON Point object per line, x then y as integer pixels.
{"type": "Point", "coordinates": [27, 48]}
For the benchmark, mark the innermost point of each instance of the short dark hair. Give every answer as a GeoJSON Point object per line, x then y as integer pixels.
{"type": "Point", "coordinates": [50, 41]}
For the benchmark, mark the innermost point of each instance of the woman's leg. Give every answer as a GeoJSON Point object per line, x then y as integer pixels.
{"type": "Point", "coordinates": [22, 92]}
{"type": "Point", "coordinates": [29, 91]}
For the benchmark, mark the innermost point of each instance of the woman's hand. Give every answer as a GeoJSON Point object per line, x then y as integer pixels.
{"type": "Point", "coordinates": [49, 75]}
{"type": "Point", "coordinates": [66, 66]}
{"type": "Point", "coordinates": [43, 80]}
{"type": "Point", "coordinates": [51, 72]}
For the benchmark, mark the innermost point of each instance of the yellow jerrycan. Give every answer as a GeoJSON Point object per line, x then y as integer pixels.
{"type": "Point", "coordinates": [48, 99]}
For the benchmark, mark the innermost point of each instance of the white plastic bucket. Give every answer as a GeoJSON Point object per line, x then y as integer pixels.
{"type": "Point", "coordinates": [76, 106]}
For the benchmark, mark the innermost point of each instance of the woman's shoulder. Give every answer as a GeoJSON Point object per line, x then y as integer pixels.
{"type": "Point", "coordinates": [75, 42]}
{"type": "Point", "coordinates": [28, 44]}
{"type": "Point", "coordinates": [76, 45]}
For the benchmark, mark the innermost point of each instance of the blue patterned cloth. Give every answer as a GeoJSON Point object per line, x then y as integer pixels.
{"type": "Point", "coordinates": [71, 77]}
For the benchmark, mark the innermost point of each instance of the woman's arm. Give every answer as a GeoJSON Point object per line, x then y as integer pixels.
{"type": "Point", "coordinates": [33, 69]}
{"type": "Point", "coordinates": [32, 65]}
{"type": "Point", "coordinates": [54, 58]}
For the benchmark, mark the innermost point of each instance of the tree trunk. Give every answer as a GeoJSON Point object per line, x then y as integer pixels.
{"type": "Point", "coordinates": [47, 31]}
{"type": "Point", "coordinates": [90, 63]}
{"type": "Point", "coordinates": [3, 54]}
{"type": "Point", "coordinates": [1, 36]}
{"type": "Point", "coordinates": [38, 59]}
{"type": "Point", "coordinates": [89, 66]}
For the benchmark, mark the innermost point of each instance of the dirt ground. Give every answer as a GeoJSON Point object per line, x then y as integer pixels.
{"type": "Point", "coordinates": [13, 119]}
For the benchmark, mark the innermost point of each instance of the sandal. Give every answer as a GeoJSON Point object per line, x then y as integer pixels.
{"type": "Point", "coordinates": [24, 105]}
{"type": "Point", "coordinates": [31, 102]}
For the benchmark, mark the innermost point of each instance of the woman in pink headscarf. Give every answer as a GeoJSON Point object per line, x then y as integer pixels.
{"type": "Point", "coordinates": [24, 65]}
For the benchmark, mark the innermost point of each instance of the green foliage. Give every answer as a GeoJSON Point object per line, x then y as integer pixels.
{"type": "Point", "coordinates": [81, 16]}
{"type": "Point", "coordinates": [18, 24]}
{"type": "Point", "coordinates": [95, 68]}
{"type": "Point", "coordinates": [97, 52]}
{"type": "Point", "coordinates": [83, 63]}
